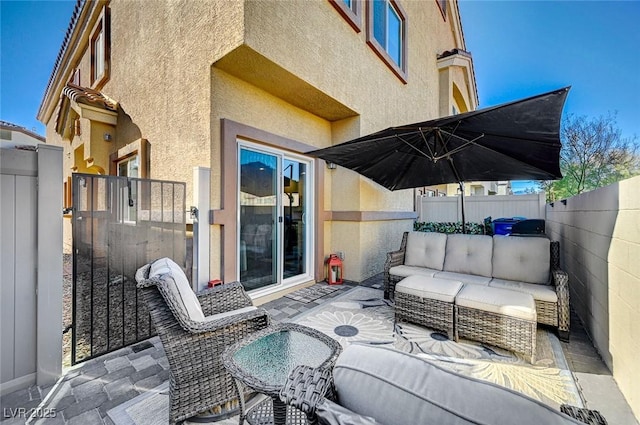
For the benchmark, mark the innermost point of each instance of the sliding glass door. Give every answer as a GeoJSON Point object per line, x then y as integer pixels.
{"type": "Point", "coordinates": [274, 217]}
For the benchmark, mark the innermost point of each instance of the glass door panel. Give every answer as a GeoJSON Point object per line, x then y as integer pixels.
{"type": "Point", "coordinates": [258, 219]}
{"type": "Point", "coordinates": [294, 201]}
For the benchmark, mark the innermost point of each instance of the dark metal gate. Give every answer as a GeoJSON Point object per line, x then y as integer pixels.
{"type": "Point", "coordinates": [119, 224]}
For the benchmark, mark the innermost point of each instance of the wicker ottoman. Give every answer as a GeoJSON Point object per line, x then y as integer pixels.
{"type": "Point", "coordinates": [497, 316]}
{"type": "Point", "coordinates": [427, 301]}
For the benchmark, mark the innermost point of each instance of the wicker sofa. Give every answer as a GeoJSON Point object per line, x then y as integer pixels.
{"type": "Point", "coordinates": [410, 390]}
{"type": "Point", "coordinates": [526, 264]}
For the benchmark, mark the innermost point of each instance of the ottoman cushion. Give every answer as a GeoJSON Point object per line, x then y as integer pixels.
{"type": "Point", "coordinates": [429, 287]}
{"type": "Point", "coordinates": [497, 300]}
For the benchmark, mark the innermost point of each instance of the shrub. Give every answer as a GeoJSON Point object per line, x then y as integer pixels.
{"type": "Point", "coordinates": [449, 227]}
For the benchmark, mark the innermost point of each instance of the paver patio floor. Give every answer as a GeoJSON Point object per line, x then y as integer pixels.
{"type": "Point", "coordinates": [88, 391]}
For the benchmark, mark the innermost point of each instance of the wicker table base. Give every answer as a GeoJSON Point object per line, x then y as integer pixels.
{"type": "Point", "coordinates": [262, 414]}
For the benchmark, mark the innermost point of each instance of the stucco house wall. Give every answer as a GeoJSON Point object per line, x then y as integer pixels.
{"type": "Point", "coordinates": [296, 71]}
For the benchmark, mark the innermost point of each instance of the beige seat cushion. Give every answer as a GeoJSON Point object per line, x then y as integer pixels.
{"type": "Point", "coordinates": [497, 300]}
{"type": "Point", "coordinates": [522, 259]}
{"type": "Point", "coordinates": [539, 292]}
{"type": "Point", "coordinates": [176, 282]}
{"type": "Point", "coordinates": [405, 271]}
{"type": "Point", "coordinates": [429, 287]}
{"type": "Point", "coordinates": [469, 254]}
{"type": "Point", "coordinates": [425, 249]}
{"type": "Point", "coordinates": [470, 279]}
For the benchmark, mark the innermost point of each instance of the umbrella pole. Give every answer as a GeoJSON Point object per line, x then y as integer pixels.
{"type": "Point", "coordinates": [464, 225]}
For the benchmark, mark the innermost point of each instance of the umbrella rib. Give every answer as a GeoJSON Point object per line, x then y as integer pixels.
{"type": "Point", "coordinates": [431, 152]}
{"type": "Point", "coordinates": [459, 148]}
{"type": "Point", "coordinates": [416, 149]}
{"type": "Point", "coordinates": [450, 134]}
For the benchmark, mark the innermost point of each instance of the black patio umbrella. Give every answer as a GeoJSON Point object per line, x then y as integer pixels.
{"type": "Point", "coordinates": [514, 141]}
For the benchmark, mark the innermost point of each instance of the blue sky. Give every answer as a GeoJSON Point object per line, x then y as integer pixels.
{"type": "Point", "coordinates": [520, 49]}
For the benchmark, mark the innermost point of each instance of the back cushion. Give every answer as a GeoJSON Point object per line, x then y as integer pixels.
{"type": "Point", "coordinates": [410, 391]}
{"type": "Point", "coordinates": [524, 259]}
{"type": "Point", "coordinates": [425, 249]}
{"type": "Point", "coordinates": [176, 283]}
{"type": "Point", "coordinates": [469, 254]}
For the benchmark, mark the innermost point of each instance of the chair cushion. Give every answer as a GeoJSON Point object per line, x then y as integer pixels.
{"type": "Point", "coordinates": [469, 254]}
{"type": "Point", "coordinates": [405, 271]}
{"type": "Point", "coordinates": [425, 249]}
{"type": "Point", "coordinates": [521, 259]}
{"type": "Point", "coordinates": [410, 390]}
{"type": "Point", "coordinates": [430, 288]}
{"type": "Point", "coordinates": [177, 285]}
{"type": "Point", "coordinates": [539, 292]}
{"type": "Point", "coordinates": [497, 300]}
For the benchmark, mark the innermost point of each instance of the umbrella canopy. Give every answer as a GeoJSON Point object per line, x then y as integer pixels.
{"type": "Point", "coordinates": [515, 141]}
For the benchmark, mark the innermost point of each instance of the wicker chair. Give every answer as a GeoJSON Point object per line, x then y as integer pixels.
{"type": "Point", "coordinates": [198, 380]}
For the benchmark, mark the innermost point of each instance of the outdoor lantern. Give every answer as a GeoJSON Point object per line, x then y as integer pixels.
{"type": "Point", "coordinates": [334, 270]}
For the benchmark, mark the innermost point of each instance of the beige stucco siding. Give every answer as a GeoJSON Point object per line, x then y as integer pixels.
{"type": "Point", "coordinates": [163, 53]}
{"type": "Point", "coordinates": [319, 45]}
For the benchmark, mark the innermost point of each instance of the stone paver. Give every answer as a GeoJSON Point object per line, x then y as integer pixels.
{"type": "Point", "coordinates": [90, 417]}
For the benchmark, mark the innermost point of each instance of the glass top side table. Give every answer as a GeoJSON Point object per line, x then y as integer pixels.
{"type": "Point", "coordinates": [264, 359]}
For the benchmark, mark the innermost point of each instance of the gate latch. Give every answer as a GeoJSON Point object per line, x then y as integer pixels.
{"type": "Point", "coordinates": [193, 211]}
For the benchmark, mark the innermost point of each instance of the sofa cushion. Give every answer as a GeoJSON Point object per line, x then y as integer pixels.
{"type": "Point", "coordinates": [464, 278]}
{"type": "Point", "coordinates": [469, 254]}
{"type": "Point", "coordinates": [497, 300]}
{"type": "Point", "coordinates": [176, 284]}
{"type": "Point", "coordinates": [522, 259]}
{"type": "Point", "coordinates": [415, 391]}
{"type": "Point", "coordinates": [425, 249]}
{"type": "Point", "coordinates": [405, 271]}
{"type": "Point", "coordinates": [539, 292]}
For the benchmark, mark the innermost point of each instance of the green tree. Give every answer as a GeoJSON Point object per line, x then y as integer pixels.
{"type": "Point", "coordinates": [594, 154]}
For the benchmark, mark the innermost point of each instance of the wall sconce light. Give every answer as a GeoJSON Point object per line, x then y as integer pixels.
{"type": "Point", "coordinates": [564, 202]}
{"type": "Point", "coordinates": [331, 165]}
{"type": "Point", "coordinates": [106, 137]}
{"type": "Point", "coordinates": [551, 204]}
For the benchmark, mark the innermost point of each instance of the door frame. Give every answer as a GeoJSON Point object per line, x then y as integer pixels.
{"type": "Point", "coordinates": [226, 215]}
{"type": "Point", "coordinates": [281, 155]}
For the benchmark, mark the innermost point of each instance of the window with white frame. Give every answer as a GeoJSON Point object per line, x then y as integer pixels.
{"type": "Point", "coordinates": [100, 48]}
{"type": "Point", "coordinates": [98, 55]}
{"type": "Point", "coordinates": [387, 34]}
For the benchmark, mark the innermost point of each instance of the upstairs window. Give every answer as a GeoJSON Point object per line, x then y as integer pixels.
{"type": "Point", "coordinates": [97, 46]}
{"type": "Point", "coordinates": [100, 51]}
{"type": "Point", "coordinates": [351, 11]}
{"type": "Point", "coordinates": [387, 34]}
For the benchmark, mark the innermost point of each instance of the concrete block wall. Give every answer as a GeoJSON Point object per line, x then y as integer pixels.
{"type": "Point", "coordinates": [599, 233]}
